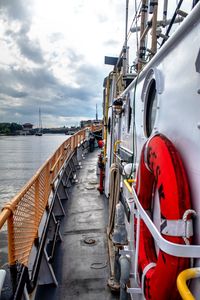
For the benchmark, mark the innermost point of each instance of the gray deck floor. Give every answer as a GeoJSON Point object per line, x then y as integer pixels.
{"type": "Point", "coordinates": [82, 269]}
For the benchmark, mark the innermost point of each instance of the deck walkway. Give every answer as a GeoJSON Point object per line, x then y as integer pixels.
{"type": "Point", "coordinates": [81, 259]}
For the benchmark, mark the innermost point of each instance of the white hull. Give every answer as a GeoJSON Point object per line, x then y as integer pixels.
{"type": "Point", "coordinates": [177, 80]}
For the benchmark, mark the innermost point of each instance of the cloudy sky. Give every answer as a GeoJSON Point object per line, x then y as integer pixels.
{"type": "Point", "coordinates": [52, 57]}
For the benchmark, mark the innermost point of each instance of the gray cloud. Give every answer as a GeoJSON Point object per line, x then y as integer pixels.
{"type": "Point", "coordinates": [9, 91]}
{"type": "Point", "coordinates": [18, 10]}
{"type": "Point", "coordinates": [35, 78]}
{"type": "Point", "coordinates": [29, 49]}
{"type": "Point", "coordinates": [40, 88]}
{"type": "Point", "coordinates": [24, 89]}
{"type": "Point", "coordinates": [15, 9]}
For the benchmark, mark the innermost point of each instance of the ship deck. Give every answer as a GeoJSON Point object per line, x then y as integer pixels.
{"type": "Point", "coordinates": [81, 260]}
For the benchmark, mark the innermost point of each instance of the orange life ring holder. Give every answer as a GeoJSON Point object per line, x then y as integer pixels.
{"type": "Point", "coordinates": [161, 169]}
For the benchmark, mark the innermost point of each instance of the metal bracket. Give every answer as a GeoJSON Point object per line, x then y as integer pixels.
{"type": "Point", "coordinates": [58, 207]}
{"type": "Point", "coordinates": [66, 177]}
{"type": "Point", "coordinates": [62, 192]}
{"type": "Point", "coordinates": [179, 228]}
{"type": "Point", "coordinates": [46, 275]}
{"type": "Point", "coordinates": [126, 252]}
{"type": "Point", "coordinates": [134, 291]}
{"type": "Point", "coordinates": [52, 229]}
{"type": "Point", "coordinates": [166, 246]}
{"type": "Point", "coordinates": [79, 154]}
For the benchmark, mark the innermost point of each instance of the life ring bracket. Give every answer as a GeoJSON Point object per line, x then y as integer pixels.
{"type": "Point", "coordinates": [174, 249]}
{"type": "Point", "coordinates": [179, 228]}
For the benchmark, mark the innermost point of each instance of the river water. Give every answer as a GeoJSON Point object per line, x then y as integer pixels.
{"type": "Point", "coordinates": [20, 158]}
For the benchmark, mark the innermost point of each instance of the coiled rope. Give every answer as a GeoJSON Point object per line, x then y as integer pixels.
{"type": "Point", "coordinates": [114, 189]}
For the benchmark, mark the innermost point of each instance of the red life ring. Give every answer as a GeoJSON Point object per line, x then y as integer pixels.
{"type": "Point", "coordinates": [161, 169]}
{"type": "Point", "coordinates": [100, 143]}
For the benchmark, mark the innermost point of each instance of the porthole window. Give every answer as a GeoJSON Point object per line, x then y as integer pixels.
{"type": "Point", "coordinates": [109, 125]}
{"type": "Point", "coordinates": [150, 107]}
{"type": "Point", "coordinates": [129, 113]}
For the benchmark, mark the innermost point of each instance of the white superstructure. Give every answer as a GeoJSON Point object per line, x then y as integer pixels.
{"type": "Point", "coordinates": [163, 98]}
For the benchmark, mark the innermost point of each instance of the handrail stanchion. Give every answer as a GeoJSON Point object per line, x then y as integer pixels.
{"type": "Point", "coordinates": [36, 221]}
{"type": "Point", "coordinates": [11, 248]}
{"type": "Point", "coordinates": [73, 142]}
{"type": "Point", "coordinates": [47, 183]}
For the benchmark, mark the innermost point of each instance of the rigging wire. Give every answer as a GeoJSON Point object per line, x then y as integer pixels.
{"type": "Point", "coordinates": [134, 129]}
{"type": "Point", "coordinates": [172, 21]}
{"type": "Point", "coordinates": [134, 126]}
{"type": "Point", "coordinates": [134, 21]}
{"type": "Point", "coordinates": [137, 8]}
{"type": "Point", "coordinates": [137, 41]}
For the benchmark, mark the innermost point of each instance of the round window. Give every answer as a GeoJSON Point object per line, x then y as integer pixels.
{"type": "Point", "coordinates": [150, 107]}
{"type": "Point", "coordinates": [129, 112]}
{"type": "Point", "coordinates": [109, 125]}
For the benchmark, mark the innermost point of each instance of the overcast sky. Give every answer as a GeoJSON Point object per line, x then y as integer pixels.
{"type": "Point", "coordinates": [52, 57]}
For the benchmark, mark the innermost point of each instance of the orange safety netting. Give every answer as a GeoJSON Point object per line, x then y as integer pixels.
{"type": "Point", "coordinates": [24, 213]}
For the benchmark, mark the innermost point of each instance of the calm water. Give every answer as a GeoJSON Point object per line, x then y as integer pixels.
{"type": "Point", "coordinates": [20, 157]}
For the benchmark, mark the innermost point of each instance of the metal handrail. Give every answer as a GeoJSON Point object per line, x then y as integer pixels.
{"type": "Point", "coordinates": [174, 249]}
{"type": "Point", "coordinates": [24, 212]}
{"type": "Point", "coordinates": [179, 250]}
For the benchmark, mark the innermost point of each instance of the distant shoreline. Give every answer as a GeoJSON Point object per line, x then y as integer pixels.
{"type": "Point", "coordinates": [32, 134]}
{"type": "Point", "coordinates": [44, 131]}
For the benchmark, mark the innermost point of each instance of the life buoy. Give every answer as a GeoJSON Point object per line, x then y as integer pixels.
{"type": "Point", "coordinates": [161, 169]}
{"type": "Point", "coordinates": [100, 143]}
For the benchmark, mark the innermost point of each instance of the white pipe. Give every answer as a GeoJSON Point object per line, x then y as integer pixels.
{"type": "Point", "coordinates": [125, 265]}
{"type": "Point", "coordinates": [165, 6]}
{"type": "Point", "coordinates": [159, 23]}
{"type": "Point", "coordinates": [137, 248]}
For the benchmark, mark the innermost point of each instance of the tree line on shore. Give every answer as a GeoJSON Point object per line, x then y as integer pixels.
{"type": "Point", "coordinates": [16, 129]}
{"type": "Point", "coordinates": [9, 128]}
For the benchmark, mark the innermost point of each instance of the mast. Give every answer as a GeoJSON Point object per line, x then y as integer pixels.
{"type": "Point", "coordinates": [142, 49]}
{"type": "Point", "coordinates": [125, 47]}
{"type": "Point", "coordinates": [40, 120]}
{"type": "Point", "coordinates": [154, 5]}
{"type": "Point", "coordinates": [39, 132]}
{"type": "Point", "coordinates": [96, 113]}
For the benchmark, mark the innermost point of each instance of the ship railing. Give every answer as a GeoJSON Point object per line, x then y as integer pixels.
{"type": "Point", "coordinates": [27, 217]}
{"type": "Point", "coordinates": [137, 211]}
{"type": "Point", "coordinates": [32, 218]}
{"type": "Point", "coordinates": [24, 212]}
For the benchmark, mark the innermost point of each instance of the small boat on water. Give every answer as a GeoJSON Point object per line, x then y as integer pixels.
{"type": "Point", "coordinates": [39, 133]}
{"type": "Point", "coordinates": [148, 175]}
